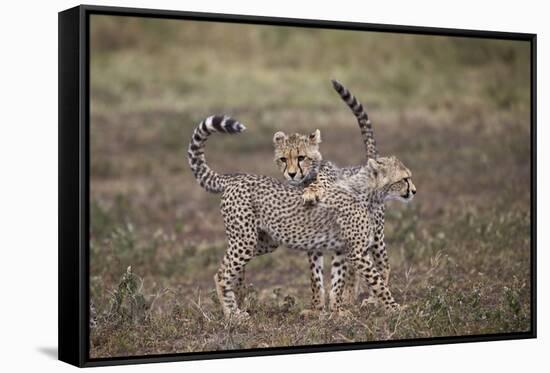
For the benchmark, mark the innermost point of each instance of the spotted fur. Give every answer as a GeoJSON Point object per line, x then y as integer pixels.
{"type": "Point", "coordinates": [363, 120]}
{"type": "Point", "coordinates": [316, 182]}
{"type": "Point", "coordinates": [261, 213]}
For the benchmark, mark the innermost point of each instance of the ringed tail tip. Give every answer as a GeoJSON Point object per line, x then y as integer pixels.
{"type": "Point", "coordinates": [223, 123]}
{"type": "Point", "coordinates": [336, 84]}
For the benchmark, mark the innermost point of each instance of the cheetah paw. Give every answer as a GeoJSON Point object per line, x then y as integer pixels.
{"type": "Point", "coordinates": [341, 313]}
{"type": "Point", "coordinates": [239, 316]}
{"type": "Point", "coordinates": [369, 300]}
{"type": "Point", "coordinates": [393, 307]}
{"type": "Point", "coordinates": [310, 314]}
{"type": "Point", "coordinates": [311, 197]}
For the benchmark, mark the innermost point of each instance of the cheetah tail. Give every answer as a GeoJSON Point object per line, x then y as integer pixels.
{"type": "Point", "coordinates": [208, 179]}
{"type": "Point", "coordinates": [363, 120]}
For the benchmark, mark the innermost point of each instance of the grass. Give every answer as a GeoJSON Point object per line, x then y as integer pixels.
{"type": "Point", "coordinates": [455, 111]}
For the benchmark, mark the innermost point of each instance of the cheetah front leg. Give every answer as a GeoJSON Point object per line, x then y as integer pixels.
{"type": "Point", "coordinates": [380, 257]}
{"type": "Point", "coordinates": [338, 277]}
{"type": "Point", "coordinates": [378, 253]}
{"type": "Point", "coordinates": [264, 245]}
{"type": "Point", "coordinates": [351, 284]}
{"type": "Point", "coordinates": [356, 231]}
{"type": "Point", "coordinates": [365, 267]}
{"type": "Point", "coordinates": [318, 183]}
{"type": "Point", "coordinates": [378, 247]}
{"type": "Point", "coordinates": [317, 288]}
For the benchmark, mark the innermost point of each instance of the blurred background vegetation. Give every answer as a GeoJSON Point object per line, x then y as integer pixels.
{"type": "Point", "coordinates": [454, 110]}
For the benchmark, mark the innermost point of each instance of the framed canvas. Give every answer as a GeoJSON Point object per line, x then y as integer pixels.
{"type": "Point", "coordinates": [382, 195]}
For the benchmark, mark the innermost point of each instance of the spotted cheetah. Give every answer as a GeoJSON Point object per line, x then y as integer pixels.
{"type": "Point", "coordinates": [261, 213]}
{"type": "Point", "coordinates": [298, 157]}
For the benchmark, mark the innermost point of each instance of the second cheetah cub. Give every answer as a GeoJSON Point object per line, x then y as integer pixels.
{"type": "Point", "coordinates": [298, 158]}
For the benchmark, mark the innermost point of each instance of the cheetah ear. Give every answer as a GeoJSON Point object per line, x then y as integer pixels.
{"type": "Point", "coordinates": [279, 137]}
{"type": "Point", "coordinates": [315, 137]}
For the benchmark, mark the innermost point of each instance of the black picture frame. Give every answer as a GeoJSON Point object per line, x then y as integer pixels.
{"type": "Point", "coordinates": [74, 183]}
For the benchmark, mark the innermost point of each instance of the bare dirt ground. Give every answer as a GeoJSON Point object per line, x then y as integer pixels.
{"type": "Point", "coordinates": [455, 111]}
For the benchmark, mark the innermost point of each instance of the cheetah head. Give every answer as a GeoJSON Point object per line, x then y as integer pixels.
{"type": "Point", "coordinates": [392, 178]}
{"type": "Point", "coordinates": [295, 153]}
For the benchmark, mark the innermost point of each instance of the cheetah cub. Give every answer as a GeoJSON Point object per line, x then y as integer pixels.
{"type": "Point", "coordinates": [298, 158]}
{"type": "Point", "coordinates": [301, 153]}
{"type": "Point", "coordinates": [258, 209]}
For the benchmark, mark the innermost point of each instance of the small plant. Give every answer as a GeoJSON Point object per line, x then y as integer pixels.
{"type": "Point", "coordinates": [250, 297]}
{"type": "Point", "coordinates": [93, 315]}
{"type": "Point", "coordinates": [513, 300]}
{"type": "Point", "coordinates": [128, 302]}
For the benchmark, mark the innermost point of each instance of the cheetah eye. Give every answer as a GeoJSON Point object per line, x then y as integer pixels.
{"type": "Point", "coordinates": [301, 158]}
{"type": "Point", "coordinates": [282, 159]}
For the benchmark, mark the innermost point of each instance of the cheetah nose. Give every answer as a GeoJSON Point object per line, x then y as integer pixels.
{"type": "Point", "coordinates": [292, 174]}
{"type": "Point", "coordinates": [413, 191]}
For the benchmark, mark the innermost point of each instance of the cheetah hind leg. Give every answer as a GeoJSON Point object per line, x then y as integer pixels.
{"type": "Point", "coordinates": [229, 308]}
{"type": "Point", "coordinates": [365, 267]}
{"type": "Point", "coordinates": [317, 287]}
{"type": "Point", "coordinates": [226, 280]}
